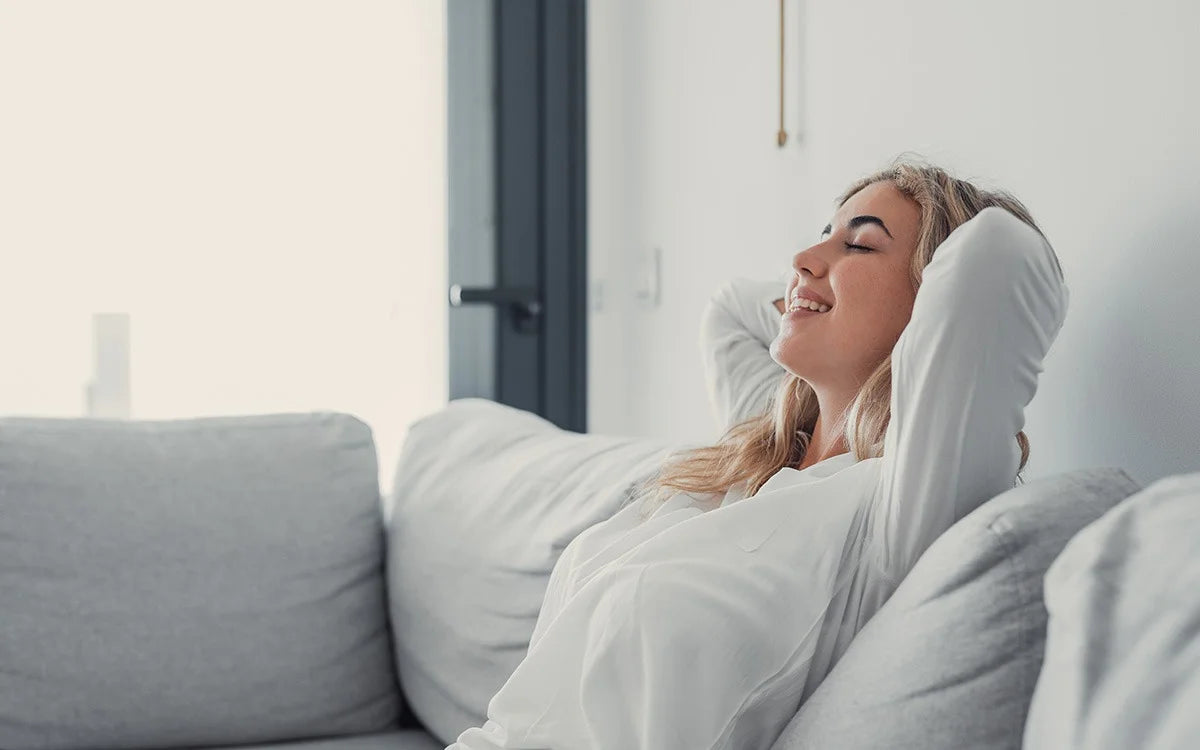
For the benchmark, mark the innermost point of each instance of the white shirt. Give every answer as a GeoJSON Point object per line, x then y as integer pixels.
{"type": "Point", "coordinates": [707, 624]}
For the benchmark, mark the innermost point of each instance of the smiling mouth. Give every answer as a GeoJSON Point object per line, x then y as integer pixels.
{"type": "Point", "coordinates": [800, 312]}
{"type": "Point", "coordinates": [800, 304]}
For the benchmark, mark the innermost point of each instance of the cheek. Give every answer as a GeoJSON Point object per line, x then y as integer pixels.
{"type": "Point", "coordinates": [875, 323]}
{"type": "Point", "coordinates": [879, 338]}
{"type": "Point", "coordinates": [874, 310]}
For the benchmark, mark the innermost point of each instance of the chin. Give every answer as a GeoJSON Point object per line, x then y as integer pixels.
{"type": "Point", "coordinates": [799, 373]}
{"type": "Point", "coordinates": [788, 357]}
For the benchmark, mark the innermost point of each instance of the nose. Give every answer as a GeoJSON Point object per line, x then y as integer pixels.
{"type": "Point", "coordinates": [810, 260]}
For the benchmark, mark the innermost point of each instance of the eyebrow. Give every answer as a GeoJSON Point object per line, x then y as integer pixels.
{"type": "Point", "coordinates": [858, 221]}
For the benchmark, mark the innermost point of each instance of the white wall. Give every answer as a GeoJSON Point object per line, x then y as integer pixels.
{"type": "Point", "coordinates": [260, 184]}
{"type": "Point", "coordinates": [1085, 110]}
{"type": "Point", "coordinates": [682, 100]}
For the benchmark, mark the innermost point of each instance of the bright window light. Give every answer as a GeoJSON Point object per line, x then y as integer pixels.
{"type": "Point", "coordinates": [256, 188]}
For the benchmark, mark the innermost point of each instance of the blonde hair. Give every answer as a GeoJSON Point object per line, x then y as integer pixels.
{"type": "Point", "coordinates": [757, 448]}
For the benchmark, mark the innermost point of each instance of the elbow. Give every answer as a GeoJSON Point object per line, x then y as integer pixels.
{"type": "Point", "coordinates": [997, 256]}
{"type": "Point", "coordinates": [718, 311]}
{"type": "Point", "coordinates": [723, 296]}
{"type": "Point", "coordinates": [1015, 242]}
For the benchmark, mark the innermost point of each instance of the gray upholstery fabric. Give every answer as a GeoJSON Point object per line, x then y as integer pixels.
{"type": "Point", "coordinates": [486, 498]}
{"type": "Point", "coordinates": [951, 660]}
{"type": "Point", "coordinates": [410, 739]}
{"type": "Point", "coordinates": [1122, 667]}
{"type": "Point", "coordinates": [175, 583]}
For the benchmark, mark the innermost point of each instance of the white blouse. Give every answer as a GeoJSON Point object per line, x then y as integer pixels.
{"type": "Point", "coordinates": [708, 623]}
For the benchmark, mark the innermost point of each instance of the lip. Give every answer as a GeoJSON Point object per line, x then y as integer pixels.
{"type": "Point", "coordinates": [807, 293]}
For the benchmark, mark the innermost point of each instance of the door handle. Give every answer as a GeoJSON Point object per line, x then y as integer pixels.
{"type": "Point", "coordinates": [522, 302]}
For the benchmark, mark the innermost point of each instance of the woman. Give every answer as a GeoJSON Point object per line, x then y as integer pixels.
{"type": "Point", "coordinates": [866, 419]}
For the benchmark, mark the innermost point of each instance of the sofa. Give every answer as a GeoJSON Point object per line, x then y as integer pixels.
{"type": "Point", "coordinates": [241, 582]}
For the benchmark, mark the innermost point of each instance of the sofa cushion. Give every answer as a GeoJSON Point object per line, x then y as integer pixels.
{"type": "Point", "coordinates": [950, 661]}
{"type": "Point", "coordinates": [1122, 666]}
{"type": "Point", "coordinates": [486, 498]}
{"type": "Point", "coordinates": [190, 582]}
{"type": "Point", "coordinates": [408, 739]}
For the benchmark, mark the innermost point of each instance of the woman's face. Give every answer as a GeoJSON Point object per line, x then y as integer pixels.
{"type": "Point", "coordinates": [860, 268]}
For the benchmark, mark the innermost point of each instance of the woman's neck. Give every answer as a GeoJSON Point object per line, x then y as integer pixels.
{"type": "Point", "coordinates": [828, 438]}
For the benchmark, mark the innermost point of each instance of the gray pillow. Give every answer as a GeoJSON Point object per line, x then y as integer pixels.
{"type": "Point", "coordinates": [192, 582]}
{"type": "Point", "coordinates": [950, 661]}
{"type": "Point", "coordinates": [1122, 663]}
{"type": "Point", "coordinates": [486, 498]}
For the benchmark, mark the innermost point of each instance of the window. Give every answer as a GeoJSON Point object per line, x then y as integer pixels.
{"type": "Point", "coordinates": [252, 193]}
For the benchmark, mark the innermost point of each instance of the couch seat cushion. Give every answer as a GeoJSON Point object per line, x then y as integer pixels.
{"type": "Point", "coordinates": [407, 739]}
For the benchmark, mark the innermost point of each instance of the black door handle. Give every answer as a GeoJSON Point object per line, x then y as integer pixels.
{"type": "Point", "coordinates": [522, 302]}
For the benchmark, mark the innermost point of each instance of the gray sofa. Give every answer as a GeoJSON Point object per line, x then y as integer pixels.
{"type": "Point", "coordinates": [237, 582]}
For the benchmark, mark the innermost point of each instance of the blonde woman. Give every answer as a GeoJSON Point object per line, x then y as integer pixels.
{"type": "Point", "coordinates": [873, 401]}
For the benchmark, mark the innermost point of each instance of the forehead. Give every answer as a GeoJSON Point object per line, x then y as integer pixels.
{"type": "Point", "coordinates": [901, 213]}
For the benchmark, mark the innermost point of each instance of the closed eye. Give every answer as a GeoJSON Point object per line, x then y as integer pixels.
{"type": "Point", "coordinates": [861, 248]}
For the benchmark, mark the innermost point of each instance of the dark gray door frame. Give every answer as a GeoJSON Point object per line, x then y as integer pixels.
{"type": "Point", "coordinates": [518, 219]}
{"type": "Point", "coordinates": [541, 218]}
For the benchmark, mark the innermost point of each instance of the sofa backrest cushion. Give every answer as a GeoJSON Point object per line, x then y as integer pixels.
{"type": "Point", "coordinates": [1122, 666]}
{"type": "Point", "coordinates": [950, 661]}
{"type": "Point", "coordinates": [192, 582]}
{"type": "Point", "coordinates": [486, 497]}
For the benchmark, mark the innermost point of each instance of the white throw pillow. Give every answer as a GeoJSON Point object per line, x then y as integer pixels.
{"type": "Point", "coordinates": [486, 497]}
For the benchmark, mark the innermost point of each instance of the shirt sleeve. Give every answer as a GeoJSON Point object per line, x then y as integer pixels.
{"type": "Point", "coordinates": [645, 656]}
{"type": "Point", "coordinates": [556, 591]}
{"type": "Point", "coordinates": [736, 332]}
{"type": "Point", "coordinates": [991, 302]}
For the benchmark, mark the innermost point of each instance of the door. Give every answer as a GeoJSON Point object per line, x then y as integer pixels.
{"type": "Point", "coordinates": [517, 261]}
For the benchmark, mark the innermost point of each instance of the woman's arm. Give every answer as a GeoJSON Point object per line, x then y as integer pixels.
{"type": "Point", "coordinates": [991, 302]}
{"type": "Point", "coordinates": [741, 320]}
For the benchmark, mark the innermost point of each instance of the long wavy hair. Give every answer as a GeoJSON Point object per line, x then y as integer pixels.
{"type": "Point", "coordinates": [757, 448]}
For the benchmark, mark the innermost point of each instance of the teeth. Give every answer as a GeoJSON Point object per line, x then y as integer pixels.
{"type": "Point", "coordinates": [799, 302]}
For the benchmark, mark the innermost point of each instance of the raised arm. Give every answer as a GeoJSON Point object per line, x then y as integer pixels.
{"type": "Point", "coordinates": [736, 331]}
{"type": "Point", "coordinates": [991, 302]}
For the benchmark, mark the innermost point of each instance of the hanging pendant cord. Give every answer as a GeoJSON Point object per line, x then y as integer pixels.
{"type": "Point", "coordinates": [782, 132]}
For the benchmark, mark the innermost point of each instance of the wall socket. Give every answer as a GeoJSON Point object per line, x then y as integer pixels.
{"type": "Point", "coordinates": [647, 289]}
